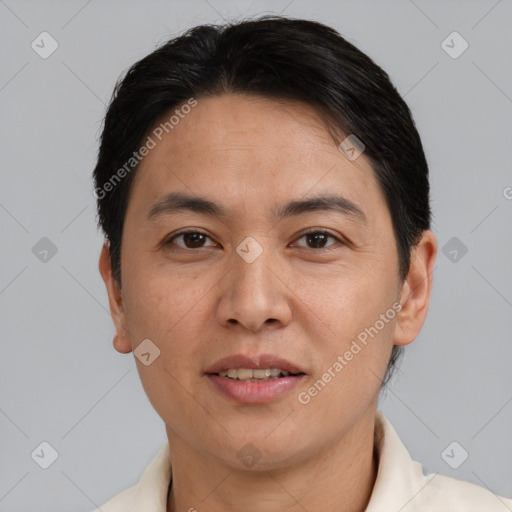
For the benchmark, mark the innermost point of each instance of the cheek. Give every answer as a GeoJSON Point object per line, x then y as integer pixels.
{"type": "Point", "coordinates": [347, 300]}
{"type": "Point", "coordinates": [355, 350]}
{"type": "Point", "coordinates": [350, 374]}
{"type": "Point", "coordinates": [159, 303]}
{"type": "Point", "coordinates": [174, 312]}
{"type": "Point", "coordinates": [171, 312]}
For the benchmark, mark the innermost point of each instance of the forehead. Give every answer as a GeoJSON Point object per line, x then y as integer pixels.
{"type": "Point", "coordinates": [248, 149]}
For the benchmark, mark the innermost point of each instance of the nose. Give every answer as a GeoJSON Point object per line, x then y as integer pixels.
{"type": "Point", "coordinates": [255, 295]}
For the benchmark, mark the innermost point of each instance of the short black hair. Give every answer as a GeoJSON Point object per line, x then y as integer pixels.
{"type": "Point", "coordinates": [275, 57]}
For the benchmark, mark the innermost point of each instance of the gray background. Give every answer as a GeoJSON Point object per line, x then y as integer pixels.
{"type": "Point", "coordinates": [62, 382]}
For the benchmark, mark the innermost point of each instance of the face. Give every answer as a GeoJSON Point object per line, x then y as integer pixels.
{"type": "Point", "coordinates": [261, 277]}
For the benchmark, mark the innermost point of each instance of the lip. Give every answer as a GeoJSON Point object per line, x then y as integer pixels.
{"type": "Point", "coordinates": [253, 363]}
{"type": "Point", "coordinates": [254, 392]}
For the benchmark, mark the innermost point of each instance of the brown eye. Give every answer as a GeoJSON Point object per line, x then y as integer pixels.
{"type": "Point", "coordinates": [318, 239]}
{"type": "Point", "coordinates": [190, 239]}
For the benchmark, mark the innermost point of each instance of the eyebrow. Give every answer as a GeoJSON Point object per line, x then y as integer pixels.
{"type": "Point", "coordinates": [176, 202]}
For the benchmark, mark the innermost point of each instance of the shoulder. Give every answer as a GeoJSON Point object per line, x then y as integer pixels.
{"type": "Point", "coordinates": [451, 494]}
{"type": "Point", "coordinates": [150, 492]}
{"type": "Point", "coordinates": [401, 483]}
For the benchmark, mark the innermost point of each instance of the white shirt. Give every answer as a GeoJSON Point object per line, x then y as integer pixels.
{"type": "Point", "coordinates": [400, 486]}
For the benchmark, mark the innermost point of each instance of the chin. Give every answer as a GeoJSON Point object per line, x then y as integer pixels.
{"type": "Point", "coordinates": [261, 453]}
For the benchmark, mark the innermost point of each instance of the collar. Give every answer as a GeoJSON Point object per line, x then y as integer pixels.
{"type": "Point", "coordinates": [399, 478]}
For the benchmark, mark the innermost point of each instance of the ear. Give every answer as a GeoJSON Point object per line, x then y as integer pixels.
{"type": "Point", "coordinates": [121, 342]}
{"type": "Point", "coordinates": [416, 289]}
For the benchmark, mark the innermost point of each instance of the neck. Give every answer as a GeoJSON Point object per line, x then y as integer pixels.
{"type": "Point", "coordinates": [340, 478]}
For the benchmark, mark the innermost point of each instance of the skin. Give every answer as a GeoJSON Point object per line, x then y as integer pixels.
{"type": "Point", "coordinates": [301, 302]}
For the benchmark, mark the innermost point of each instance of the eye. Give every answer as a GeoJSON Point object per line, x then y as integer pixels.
{"type": "Point", "coordinates": [317, 239]}
{"type": "Point", "coordinates": [191, 239]}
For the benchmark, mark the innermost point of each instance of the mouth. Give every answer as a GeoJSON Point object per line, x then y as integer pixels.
{"type": "Point", "coordinates": [258, 375]}
{"type": "Point", "coordinates": [254, 380]}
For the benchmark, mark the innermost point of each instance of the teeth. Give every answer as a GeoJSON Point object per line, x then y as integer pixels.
{"type": "Point", "coordinates": [244, 373]}
{"type": "Point", "coordinates": [261, 374]}
{"type": "Point", "coordinates": [248, 375]}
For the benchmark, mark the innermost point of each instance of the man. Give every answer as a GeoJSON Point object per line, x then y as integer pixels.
{"type": "Point", "coordinates": [264, 196]}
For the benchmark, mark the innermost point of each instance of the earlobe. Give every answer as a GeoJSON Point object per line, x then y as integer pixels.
{"type": "Point", "coordinates": [120, 342]}
{"type": "Point", "coordinates": [416, 290]}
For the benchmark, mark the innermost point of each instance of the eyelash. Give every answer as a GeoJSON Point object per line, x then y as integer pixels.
{"type": "Point", "coordinates": [169, 240]}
